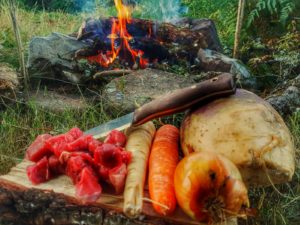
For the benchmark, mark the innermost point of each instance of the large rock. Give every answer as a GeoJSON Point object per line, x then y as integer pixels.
{"type": "Point", "coordinates": [54, 102]}
{"type": "Point", "coordinates": [49, 56]}
{"type": "Point", "coordinates": [133, 90]}
{"type": "Point", "coordinates": [210, 60]}
{"type": "Point", "coordinates": [286, 100]}
{"type": "Point", "coordinates": [206, 27]}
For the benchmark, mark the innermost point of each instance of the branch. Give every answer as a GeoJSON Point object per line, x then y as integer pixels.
{"type": "Point", "coordinates": [238, 29]}
{"type": "Point", "coordinates": [24, 72]}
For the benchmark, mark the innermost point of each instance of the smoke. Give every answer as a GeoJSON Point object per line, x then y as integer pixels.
{"type": "Point", "coordinates": [162, 10]}
{"type": "Point", "coordinates": [85, 5]}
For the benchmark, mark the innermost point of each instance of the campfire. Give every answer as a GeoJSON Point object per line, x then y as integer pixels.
{"type": "Point", "coordinates": [121, 41]}
{"type": "Point", "coordinates": [135, 43]}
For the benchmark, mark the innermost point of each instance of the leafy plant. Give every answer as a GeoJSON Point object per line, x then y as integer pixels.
{"type": "Point", "coordinates": [279, 10]}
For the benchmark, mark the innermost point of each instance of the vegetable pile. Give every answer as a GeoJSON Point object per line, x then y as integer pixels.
{"type": "Point", "coordinates": [206, 185]}
{"type": "Point", "coordinates": [81, 157]}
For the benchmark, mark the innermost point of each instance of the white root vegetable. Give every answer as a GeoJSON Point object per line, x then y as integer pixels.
{"type": "Point", "coordinates": [139, 140]}
{"type": "Point", "coordinates": [248, 131]}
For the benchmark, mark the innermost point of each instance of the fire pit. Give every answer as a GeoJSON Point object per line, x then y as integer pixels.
{"type": "Point", "coordinates": [107, 48]}
{"type": "Point", "coordinates": [136, 43]}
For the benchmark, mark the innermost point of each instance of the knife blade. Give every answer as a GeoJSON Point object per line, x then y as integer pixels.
{"type": "Point", "coordinates": [176, 101]}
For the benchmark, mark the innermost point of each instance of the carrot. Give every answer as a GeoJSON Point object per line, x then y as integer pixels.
{"type": "Point", "coordinates": [139, 140]}
{"type": "Point", "coordinates": [162, 164]}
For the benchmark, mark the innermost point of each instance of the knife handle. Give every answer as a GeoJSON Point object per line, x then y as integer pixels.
{"type": "Point", "coordinates": [181, 99]}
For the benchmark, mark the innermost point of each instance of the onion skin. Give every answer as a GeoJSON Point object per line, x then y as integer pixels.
{"type": "Point", "coordinates": [235, 192]}
{"type": "Point", "coordinates": [208, 186]}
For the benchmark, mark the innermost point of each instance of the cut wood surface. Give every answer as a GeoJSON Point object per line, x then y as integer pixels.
{"type": "Point", "coordinates": [16, 183]}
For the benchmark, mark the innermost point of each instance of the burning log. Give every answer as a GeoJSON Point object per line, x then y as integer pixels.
{"type": "Point", "coordinates": [155, 41]}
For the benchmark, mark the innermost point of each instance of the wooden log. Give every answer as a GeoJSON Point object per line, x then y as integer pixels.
{"type": "Point", "coordinates": [111, 74]}
{"type": "Point", "coordinates": [54, 202]}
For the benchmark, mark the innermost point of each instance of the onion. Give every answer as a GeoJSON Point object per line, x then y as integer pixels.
{"type": "Point", "coordinates": [209, 188]}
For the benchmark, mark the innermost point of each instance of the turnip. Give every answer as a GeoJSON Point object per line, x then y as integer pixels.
{"type": "Point", "coordinates": [248, 131]}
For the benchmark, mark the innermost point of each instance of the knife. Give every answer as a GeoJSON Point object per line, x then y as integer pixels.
{"type": "Point", "coordinates": [177, 101]}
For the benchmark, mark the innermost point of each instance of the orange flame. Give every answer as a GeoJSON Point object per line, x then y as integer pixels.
{"type": "Point", "coordinates": [119, 31]}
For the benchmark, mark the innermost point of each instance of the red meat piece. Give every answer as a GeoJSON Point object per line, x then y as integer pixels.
{"type": "Point", "coordinates": [59, 143]}
{"type": "Point", "coordinates": [56, 168]}
{"type": "Point", "coordinates": [108, 155]}
{"type": "Point", "coordinates": [116, 137]}
{"type": "Point", "coordinates": [80, 144]}
{"type": "Point", "coordinates": [126, 157]}
{"type": "Point", "coordinates": [88, 188]}
{"type": "Point", "coordinates": [93, 144]}
{"type": "Point", "coordinates": [117, 177]}
{"type": "Point", "coordinates": [103, 173]}
{"type": "Point", "coordinates": [64, 157]}
{"type": "Point", "coordinates": [38, 148]}
{"type": "Point", "coordinates": [39, 172]}
{"type": "Point", "coordinates": [75, 132]}
{"type": "Point", "coordinates": [74, 167]}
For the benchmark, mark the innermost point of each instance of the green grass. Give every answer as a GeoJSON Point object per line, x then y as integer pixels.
{"type": "Point", "coordinates": [35, 23]}
{"type": "Point", "coordinates": [20, 124]}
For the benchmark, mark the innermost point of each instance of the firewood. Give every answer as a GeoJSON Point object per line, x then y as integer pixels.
{"type": "Point", "coordinates": [111, 73]}
{"type": "Point", "coordinates": [157, 40]}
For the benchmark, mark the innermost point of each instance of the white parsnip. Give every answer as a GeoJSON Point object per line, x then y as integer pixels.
{"type": "Point", "coordinates": [139, 140]}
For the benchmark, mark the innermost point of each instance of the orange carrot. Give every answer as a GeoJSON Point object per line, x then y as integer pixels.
{"type": "Point", "coordinates": [162, 164]}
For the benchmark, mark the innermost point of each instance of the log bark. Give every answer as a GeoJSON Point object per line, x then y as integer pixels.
{"type": "Point", "coordinates": [54, 202]}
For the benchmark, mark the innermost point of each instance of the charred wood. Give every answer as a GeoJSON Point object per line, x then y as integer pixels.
{"type": "Point", "coordinates": [161, 41]}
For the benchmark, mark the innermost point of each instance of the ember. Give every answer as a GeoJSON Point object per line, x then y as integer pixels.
{"type": "Point", "coordinates": [124, 50]}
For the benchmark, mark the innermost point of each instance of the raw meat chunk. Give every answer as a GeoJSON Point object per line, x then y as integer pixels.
{"type": "Point", "coordinates": [38, 149]}
{"type": "Point", "coordinates": [75, 165]}
{"type": "Point", "coordinates": [117, 177]}
{"type": "Point", "coordinates": [116, 137]}
{"type": "Point", "coordinates": [80, 144]}
{"type": "Point", "coordinates": [108, 155]}
{"type": "Point", "coordinates": [39, 172]}
{"type": "Point", "coordinates": [88, 188]}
